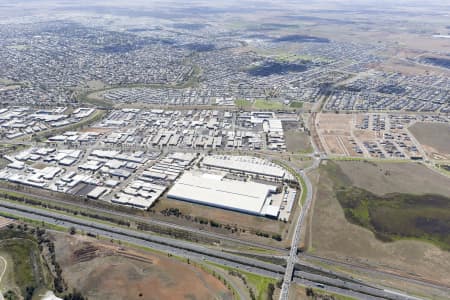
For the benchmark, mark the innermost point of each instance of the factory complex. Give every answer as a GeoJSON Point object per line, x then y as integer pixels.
{"type": "Point", "coordinates": [135, 157]}
{"type": "Point", "coordinates": [184, 129]}
{"type": "Point", "coordinates": [240, 183]}
{"type": "Point", "coordinates": [140, 178]}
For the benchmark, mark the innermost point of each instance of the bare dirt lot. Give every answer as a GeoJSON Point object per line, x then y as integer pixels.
{"type": "Point", "coordinates": [435, 138]}
{"type": "Point", "coordinates": [336, 133]}
{"type": "Point", "coordinates": [334, 237]}
{"type": "Point", "coordinates": [334, 144]}
{"type": "Point", "coordinates": [96, 130]}
{"type": "Point", "coordinates": [337, 124]}
{"type": "Point", "coordinates": [105, 271]}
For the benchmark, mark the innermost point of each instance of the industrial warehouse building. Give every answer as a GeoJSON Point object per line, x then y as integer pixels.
{"type": "Point", "coordinates": [214, 190]}
{"type": "Point", "coordinates": [251, 166]}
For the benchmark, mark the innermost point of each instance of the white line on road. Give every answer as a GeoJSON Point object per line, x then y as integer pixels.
{"type": "Point", "coordinates": [2, 274]}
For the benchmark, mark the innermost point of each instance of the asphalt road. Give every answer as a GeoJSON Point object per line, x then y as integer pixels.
{"type": "Point", "coordinates": [284, 294]}
{"type": "Point", "coordinates": [169, 245]}
{"type": "Point", "coordinates": [334, 289]}
{"type": "Point", "coordinates": [182, 248]}
{"type": "Point", "coordinates": [165, 224]}
{"type": "Point", "coordinates": [384, 274]}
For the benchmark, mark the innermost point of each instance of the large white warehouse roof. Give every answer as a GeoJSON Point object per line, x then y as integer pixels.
{"type": "Point", "coordinates": [213, 190]}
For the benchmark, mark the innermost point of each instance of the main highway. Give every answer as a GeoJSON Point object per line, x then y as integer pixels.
{"type": "Point", "coordinates": [165, 224]}
{"type": "Point", "coordinates": [196, 252]}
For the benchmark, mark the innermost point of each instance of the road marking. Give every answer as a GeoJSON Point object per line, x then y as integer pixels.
{"type": "Point", "coordinates": [2, 274]}
{"type": "Point", "coordinates": [4, 269]}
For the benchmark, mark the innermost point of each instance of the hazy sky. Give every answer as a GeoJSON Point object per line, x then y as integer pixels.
{"type": "Point", "coordinates": [11, 8]}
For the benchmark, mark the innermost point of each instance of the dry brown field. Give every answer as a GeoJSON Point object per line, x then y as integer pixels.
{"type": "Point", "coordinates": [395, 177]}
{"type": "Point", "coordinates": [107, 271]}
{"type": "Point", "coordinates": [434, 137]}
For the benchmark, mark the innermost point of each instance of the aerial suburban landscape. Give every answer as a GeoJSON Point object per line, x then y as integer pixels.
{"type": "Point", "coordinates": [227, 150]}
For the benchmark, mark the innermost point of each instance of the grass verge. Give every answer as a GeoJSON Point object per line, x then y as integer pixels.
{"type": "Point", "coordinates": [260, 283]}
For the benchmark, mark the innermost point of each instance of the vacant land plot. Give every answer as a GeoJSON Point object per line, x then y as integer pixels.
{"type": "Point", "coordinates": [335, 132]}
{"type": "Point", "coordinates": [105, 271]}
{"type": "Point", "coordinates": [243, 225]}
{"type": "Point", "coordinates": [297, 141]}
{"type": "Point", "coordinates": [339, 124]}
{"type": "Point", "coordinates": [394, 177]}
{"type": "Point", "coordinates": [334, 236]}
{"type": "Point", "coordinates": [435, 138]}
{"type": "Point", "coordinates": [334, 145]}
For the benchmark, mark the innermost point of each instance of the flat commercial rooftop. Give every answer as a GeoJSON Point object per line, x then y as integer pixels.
{"type": "Point", "coordinates": [213, 190]}
{"type": "Point", "coordinates": [244, 164]}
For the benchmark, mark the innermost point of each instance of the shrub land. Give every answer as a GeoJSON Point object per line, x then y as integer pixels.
{"type": "Point", "coordinates": [395, 215]}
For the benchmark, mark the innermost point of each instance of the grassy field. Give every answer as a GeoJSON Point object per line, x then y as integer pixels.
{"type": "Point", "coordinates": [259, 284]}
{"type": "Point", "coordinates": [356, 203]}
{"type": "Point", "coordinates": [296, 104]}
{"type": "Point", "coordinates": [298, 141]}
{"type": "Point", "coordinates": [25, 272]}
{"type": "Point", "coordinates": [268, 105]}
{"type": "Point", "coordinates": [393, 177]}
{"type": "Point", "coordinates": [396, 216]}
{"type": "Point", "coordinates": [3, 163]}
{"type": "Point", "coordinates": [242, 103]}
